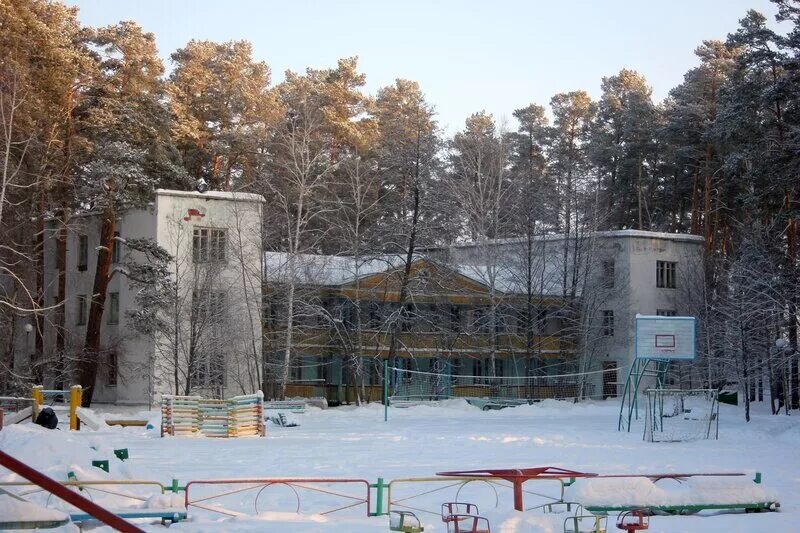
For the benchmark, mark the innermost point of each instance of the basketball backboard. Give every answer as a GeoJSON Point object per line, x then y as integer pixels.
{"type": "Point", "coordinates": [665, 337]}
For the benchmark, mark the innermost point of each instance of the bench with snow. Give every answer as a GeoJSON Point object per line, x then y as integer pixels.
{"type": "Point", "coordinates": [282, 420]}
{"type": "Point", "coordinates": [292, 406]}
{"type": "Point", "coordinates": [166, 515]}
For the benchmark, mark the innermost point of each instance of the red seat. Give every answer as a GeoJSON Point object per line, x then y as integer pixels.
{"type": "Point", "coordinates": [633, 520]}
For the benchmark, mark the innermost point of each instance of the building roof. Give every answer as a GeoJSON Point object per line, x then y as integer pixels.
{"type": "Point", "coordinates": [623, 233]}
{"type": "Point", "coordinates": [334, 270]}
{"type": "Point", "coordinates": [217, 195]}
{"type": "Point", "coordinates": [331, 270]}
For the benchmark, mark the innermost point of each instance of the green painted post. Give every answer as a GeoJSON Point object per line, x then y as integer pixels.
{"type": "Point", "coordinates": [379, 497]}
{"type": "Point", "coordinates": [174, 488]}
{"type": "Point", "coordinates": [758, 477]}
{"type": "Point", "coordinates": [385, 391]}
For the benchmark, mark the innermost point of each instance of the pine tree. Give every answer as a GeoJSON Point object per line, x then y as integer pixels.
{"type": "Point", "coordinates": [223, 110]}
{"type": "Point", "coordinates": [624, 150]}
{"type": "Point", "coordinates": [131, 155]}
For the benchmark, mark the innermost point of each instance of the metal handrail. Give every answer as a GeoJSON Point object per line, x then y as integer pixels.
{"type": "Point", "coordinates": [56, 488]}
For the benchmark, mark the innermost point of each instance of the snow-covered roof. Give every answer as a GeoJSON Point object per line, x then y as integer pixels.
{"type": "Point", "coordinates": [623, 233]}
{"type": "Point", "coordinates": [217, 195]}
{"type": "Point", "coordinates": [335, 270]}
{"type": "Point", "coordinates": [332, 270]}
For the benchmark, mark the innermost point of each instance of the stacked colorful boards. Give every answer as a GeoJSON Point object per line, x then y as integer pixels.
{"type": "Point", "coordinates": [239, 416]}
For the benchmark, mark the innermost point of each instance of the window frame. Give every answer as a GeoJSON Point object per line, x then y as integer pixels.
{"type": "Point", "coordinates": [666, 274]}
{"type": "Point", "coordinates": [113, 308]}
{"type": "Point", "coordinates": [83, 253]}
{"type": "Point", "coordinates": [608, 323]}
{"type": "Point", "coordinates": [608, 273]}
{"type": "Point", "coordinates": [82, 317]}
{"type": "Point", "coordinates": [209, 245]}
{"type": "Point", "coordinates": [116, 248]}
{"type": "Point", "coordinates": [113, 369]}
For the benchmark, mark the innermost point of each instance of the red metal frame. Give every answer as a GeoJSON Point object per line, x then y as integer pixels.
{"type": "Point", "coordinates": [67, 495]}
{"type": "Point", "coordinates": [640, 520]}
{"type": "Point", "coordinates": [518, 476]}
{"type": "Point", "coordinates": [290, 482]}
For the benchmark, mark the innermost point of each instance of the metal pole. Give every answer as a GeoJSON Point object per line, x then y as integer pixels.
{"type": "Point", "coordinates": [386, 390]}
{"type": "Point", "coordinates": [67, 495]}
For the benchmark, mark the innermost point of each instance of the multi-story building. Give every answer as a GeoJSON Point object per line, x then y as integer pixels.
{"type": "Point", "coordinates": [209, 333]}
{"type": "Point", "coordinates": [614, 275]}
{"type": "Point", "coordinates": [541, 307]}
{"type": "Point", "coordinates": [558, 305]}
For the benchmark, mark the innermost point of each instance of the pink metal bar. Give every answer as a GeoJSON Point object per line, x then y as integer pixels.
{"type": "Point", "coordinates": [282, 481]}
{"type": "Point", "coordinates": [67, 495]}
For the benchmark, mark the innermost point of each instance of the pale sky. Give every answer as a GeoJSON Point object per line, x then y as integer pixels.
{"type": "Point", "coordinates": [467, 56]}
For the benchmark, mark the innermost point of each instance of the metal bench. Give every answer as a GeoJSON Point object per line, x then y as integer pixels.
{"type": "Point", "coordinates": [166, 515]}
{"type": "Point", "coordinates": [293, 406]}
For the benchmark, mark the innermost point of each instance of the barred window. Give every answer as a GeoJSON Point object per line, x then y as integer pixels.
{"type": "Point", "coordinates": [208, 245]}
{"type": "Point", "coordinates": [116, 248]}
{"type": "Point", "coordinates": [111, 378]}
{"type": "Point", "coordinates": [83, 252]}
{"type": "Point", "coordinates": [209, 312]}
{"type": "Point", "coordinates": [608, 274]}
{"type": "Point", "coordinates": [608, 323]}
{"type": "Point", "coordinates": [81, 311]}
{"type": "Point", "coordinates": [113, 308]}
{"type": "Point", "coordinates": [665, 274]}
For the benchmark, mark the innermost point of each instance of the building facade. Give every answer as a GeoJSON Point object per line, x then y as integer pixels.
{"type": "Point", "coordinates": [548, 308]}
{"type": "Point", "coordinates": [209, 335]}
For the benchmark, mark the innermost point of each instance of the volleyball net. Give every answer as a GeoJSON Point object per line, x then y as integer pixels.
{"type": "Point", "coordinates": [408, 387]}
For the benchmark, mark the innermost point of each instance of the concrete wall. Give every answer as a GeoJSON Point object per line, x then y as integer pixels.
{"type": "Point", "coordinates": [239, 277]}
{"type": "Point", "coordinates": [140, 377]}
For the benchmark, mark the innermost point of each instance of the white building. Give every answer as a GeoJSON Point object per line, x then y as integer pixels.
{"type": "Point", "coordinates": [213, 328]}
{"type": "Point", "coordinates": [624, 273]}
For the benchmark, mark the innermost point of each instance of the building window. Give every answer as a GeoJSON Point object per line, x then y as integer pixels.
{"type": "Point", "coordinates": [666, 312]}
{"type": "Point", "coordinates": [208, 320]}
{"type": "Point", "coordinates": [608, 274]}
{"type": "Point", "coordinates": [113, 308]}
{"type": "Point", "coordinates": [81, 311]}
{"type": "Point", "coordinates": [112, 370]}
{"type": "Point", "coordinates": [116, 246]}
{"type": "Point", "coordinates": [208, 245]}
{"type": "Point", "coordinates": [296, 370]}
{"type": "Point", "coordinates": [477, 371]}
{"type": "Point", "coordinates": [541, 321]}
{"type": "Point", "coordinates": [608, 323]}
{"type": "Point", "coordinates": [83, 252]}
{"type": "Point", "coordinates": [665, 274]}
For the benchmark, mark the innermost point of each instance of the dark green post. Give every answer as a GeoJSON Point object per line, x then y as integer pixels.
{"type": "Point", "coordinates": [385, 391]}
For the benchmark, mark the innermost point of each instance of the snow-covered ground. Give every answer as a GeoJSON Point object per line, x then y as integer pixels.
{"type": "Point", "coordinates": [356, 443]}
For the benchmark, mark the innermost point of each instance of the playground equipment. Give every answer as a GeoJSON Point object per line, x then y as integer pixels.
{"type": "Point", "coordinates": [82, 503]}
{"type": "Point", "coordinates": [467, 523]}
{"type": "Point", "coordinates": [675, 415]}
{"type": "Point", "coordinates": [289, 406]}
{"type": "Point", "coordinates": [406, 388]}
{"type": "Point", "coordinates": [227, 496]}
{"type": "Point", "coordinates": [463, 517]}
{"type": "Point", "coordinates": [658, 340]}
{"type": "Point", "coordinates": [583, 522]}
{"type": "Point", "coordinates": [239, 416]}
{"type": "Point", "coordinates": [518, 476]}
{"type": "Point", "coordinates": [633, 520]}
{"type": "Point", "coordinates": [672, 494]}
{"type": "Point", "coordinates": [74, 393]}
{"type": "Point", "coordinates": [404, 521]}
